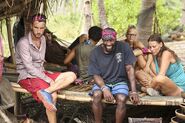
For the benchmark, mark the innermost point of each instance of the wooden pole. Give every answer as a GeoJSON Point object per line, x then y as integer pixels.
{"type": "Point", "coordinates": [10, 42]}
{"type": "Point", "coordinates": [17, 108]}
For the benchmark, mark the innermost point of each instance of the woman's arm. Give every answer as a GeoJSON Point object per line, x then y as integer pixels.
{"type": "Point", "coordinates": [165, 61]}
{"type": "Point", "coordinates": [149, 60]}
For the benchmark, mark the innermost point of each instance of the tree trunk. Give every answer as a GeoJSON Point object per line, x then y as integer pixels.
{"type": "Point", "coordinates": [145, 20]}
{"type": "Point", "coordinates": [10, 41]}
{"type": "Point", "coordinates": [87, 15]}
{"type": "Point", "coordinates": [102, 15]}
{"type": "Point", "coordinates": [183, 13]}
{"type": "Point", "coordinates": [63, 7]}
{"type": "Point", "coordinates": [74, 6]}
{"type": "Point", "coordinates": [80, 6]}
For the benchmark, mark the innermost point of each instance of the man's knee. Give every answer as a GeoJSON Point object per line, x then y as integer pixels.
{"type": "Point", "coordinates": [121, 99]}
{"type": "Point", "coordinates": [97, 96]}
{"type": "Point", "coordinates": [73, 75]}
{"type": "Point", "coordinates": [70, 76]}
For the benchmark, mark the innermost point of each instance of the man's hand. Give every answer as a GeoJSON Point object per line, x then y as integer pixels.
{"type": "Point", "coordinates": [134, 97]}
{"type": "Point", "coordinates": [107, 95]}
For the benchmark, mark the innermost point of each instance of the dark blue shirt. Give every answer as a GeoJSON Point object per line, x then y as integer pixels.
{"type": "Point", "coordinates": [111, 67]}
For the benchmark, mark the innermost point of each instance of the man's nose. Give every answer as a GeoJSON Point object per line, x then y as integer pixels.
{"type": "Point", "coordinates": [109, 42]}
{"type": "Point", "coordinates": [39, 30]}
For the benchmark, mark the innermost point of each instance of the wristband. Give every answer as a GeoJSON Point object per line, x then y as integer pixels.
{"type": "Point", "coordinates": [144, 50]}
{"type": "Point", "coordinates": [133, 92]}
{"type": "Point", "coordinates": [103, 87]}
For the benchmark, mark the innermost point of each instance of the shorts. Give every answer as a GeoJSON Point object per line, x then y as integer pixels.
{"type": "Point", "coordinates": [117, 88]}
{"type": "Point", "coordinates": [33, 85]}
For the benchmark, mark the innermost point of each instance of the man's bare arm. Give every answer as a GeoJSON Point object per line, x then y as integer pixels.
{"type": "Point", "coordinates": [131, 77]}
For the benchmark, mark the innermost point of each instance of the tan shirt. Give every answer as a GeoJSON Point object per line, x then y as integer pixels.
{"type": "Point", "coordinates": [30, 59]}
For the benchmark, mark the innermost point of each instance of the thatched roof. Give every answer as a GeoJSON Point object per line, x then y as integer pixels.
{"type": "Point", "coordinates": [9, 8]}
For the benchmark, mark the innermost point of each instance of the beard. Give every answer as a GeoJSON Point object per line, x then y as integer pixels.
{"type": "Point", "coordinates": [37, 35]}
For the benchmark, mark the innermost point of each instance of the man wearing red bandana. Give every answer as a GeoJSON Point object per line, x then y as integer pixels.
{"type": "Point", "coordinates": [30, 57]}
{"type": "Point", "coordinates": [111, 65]}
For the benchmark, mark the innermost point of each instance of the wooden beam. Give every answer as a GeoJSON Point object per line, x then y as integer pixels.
{"type": "Point", "coordinates": [10, 41]}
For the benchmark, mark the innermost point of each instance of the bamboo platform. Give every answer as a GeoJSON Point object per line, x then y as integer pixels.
{"type": "Point", "coordinates": [83, 96]}
{"type": "Point", "coordinates": [80, 92]}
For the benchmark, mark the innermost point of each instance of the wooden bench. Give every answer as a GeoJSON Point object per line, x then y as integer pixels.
{"type": "Point", "coordinates": [80, 93]}
{"type": "Point", "coordinates": [83, 96]}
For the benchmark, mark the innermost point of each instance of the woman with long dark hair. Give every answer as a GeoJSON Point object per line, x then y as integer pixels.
{"type": "Point", "coordinates": [170, 76]}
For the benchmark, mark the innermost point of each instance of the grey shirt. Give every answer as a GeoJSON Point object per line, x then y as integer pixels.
{"type": "Point", "coordinates": [30, 59]}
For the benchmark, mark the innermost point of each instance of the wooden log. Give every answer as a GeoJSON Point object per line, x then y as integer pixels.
{"type": "Point", "coordinates": [9, 65]}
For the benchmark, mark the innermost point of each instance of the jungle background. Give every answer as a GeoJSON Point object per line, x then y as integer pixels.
{"type": "Point", "coordinates": [65, 18]}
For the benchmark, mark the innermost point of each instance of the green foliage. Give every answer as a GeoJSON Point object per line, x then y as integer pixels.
{"type": "Point", "coordinates": [5, 38]}
{"type": "Point", "coordinates": [168, 13]}
{"type": "Point", "coordinates": [120, 14]}
{"type": "Point", "coordinates": [65, 27]}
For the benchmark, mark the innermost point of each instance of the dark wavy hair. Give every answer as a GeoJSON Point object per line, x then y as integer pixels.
{"type": "Point", "coordinates": [158, 39]}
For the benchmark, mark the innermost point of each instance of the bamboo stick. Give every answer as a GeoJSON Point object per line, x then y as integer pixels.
{"type": "Point", "coordinates": [6, 119]}
{"type": "Point", "coordinates": [20, 90]}
{"type": "Point", "coordinates": [15, 85]}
